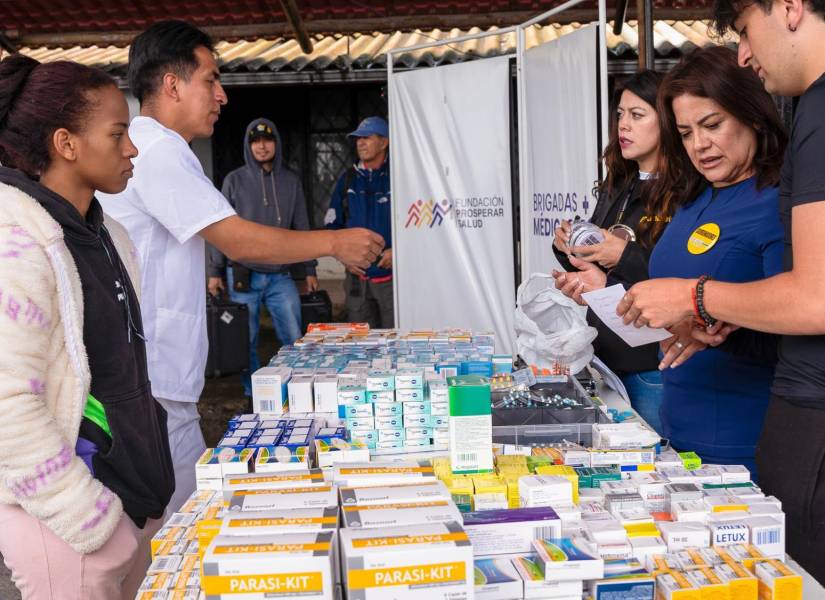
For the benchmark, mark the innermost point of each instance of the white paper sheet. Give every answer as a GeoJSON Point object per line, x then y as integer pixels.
{"type": "Point", "coordinates": [603, 302]}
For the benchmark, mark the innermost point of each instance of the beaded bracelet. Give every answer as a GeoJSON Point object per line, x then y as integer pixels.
{"type": "Point", "coordinates": [700, 304]}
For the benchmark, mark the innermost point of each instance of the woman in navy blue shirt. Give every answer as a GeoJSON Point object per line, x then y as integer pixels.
{"type": "Point", "coordinates": [724, 143]}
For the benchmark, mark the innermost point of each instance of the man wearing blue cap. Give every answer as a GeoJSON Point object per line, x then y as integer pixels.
{"type": "Point", "coordinates": [362, 199]}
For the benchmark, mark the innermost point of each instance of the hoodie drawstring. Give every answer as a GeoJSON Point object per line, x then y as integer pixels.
{"type": "Point", "coordinates": [274, 194]}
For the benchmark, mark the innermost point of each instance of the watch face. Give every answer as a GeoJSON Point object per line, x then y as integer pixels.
{"type": "Point", "coordinates": [623, 232]}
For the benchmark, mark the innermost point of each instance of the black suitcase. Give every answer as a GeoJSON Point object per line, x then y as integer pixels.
{"type": "Point", "coordinates": [316, 307]}
{"type": "Point", "coordinates": [227, 324]}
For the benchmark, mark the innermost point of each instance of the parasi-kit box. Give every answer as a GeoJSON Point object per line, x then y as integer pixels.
{"type": "Point", "coordinates": [273, 522]}
{"type": "Point", "coordinates": [271, 481]}
{"type": "Point", "coordinates": [259, 567]}
{"type": "Point", "coordinates": [394, 494]}
{"type": "Point", "coordinates": [396, 515]}
{"type": "Point", "coordinates": [372, 474]}
{"type": "Point", "coordinates": [285, 498]}
{"type": "Point", "coordinates": [417, 562]}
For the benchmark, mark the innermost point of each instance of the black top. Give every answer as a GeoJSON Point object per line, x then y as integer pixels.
{"type": "Point", "coordinates": [135, 462]}
{"type": "Point", "coordinates": [631, 268]}
{"type": "Point", "coordinates": [800, 373]}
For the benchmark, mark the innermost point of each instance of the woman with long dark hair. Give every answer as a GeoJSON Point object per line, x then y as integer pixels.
{"type": "Point", "coordinates": [631, 219]}
{"type": "Point", "coordinates": [724, 142]}
{"type": "Point", "coordinates": [83, 446]}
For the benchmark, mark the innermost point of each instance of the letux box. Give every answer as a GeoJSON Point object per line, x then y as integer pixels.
{"type": "Point", "coordinates": [394, 494]}
{"type": "Point", "coordinates": [284, 565]}
{"type": "Point", "coordinates": [418, 562]}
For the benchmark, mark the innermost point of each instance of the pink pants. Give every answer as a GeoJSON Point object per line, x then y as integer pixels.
{"type": "Point", "coordinates": [44, 567]}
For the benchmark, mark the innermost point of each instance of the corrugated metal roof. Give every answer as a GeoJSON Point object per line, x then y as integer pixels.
{"type": "Point", "coordinates": [368, 51]}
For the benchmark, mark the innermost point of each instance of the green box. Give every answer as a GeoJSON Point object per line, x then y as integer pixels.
{"type": "Point", "coordinates": [691, 460]}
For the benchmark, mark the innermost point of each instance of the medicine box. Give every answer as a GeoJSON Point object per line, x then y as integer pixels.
{"type": "Point", "coordinates": [388, 409]}
{"type": "Point", "coordinates": [392, 422]}
{"type": "Point", "coordinates": [416, 408]}
{"type": "Point", "coordinates": [349, 394]}
{"type": "Point", "coordinates": [497, 579]}
{"type": "Point", "coordinates": [214, 463]}
{"type": "Point", "coordinates": [287, 498]}
{"type": "Point", "coordinates": [271, 481]}
{"type": "Point", "coordinates": [417, 562]}
{"type": "Point", "coordinates": [384, 396]}
{"type": "Point", "coordinates": [395, 515]}
{"type": "Point", "coordinates": [416, 395]}
{"type": "Point", "coordinates": [325, 392]}
{"type": "Point", "coordinates": [385, 435]}
{"type": "Point", "coordinates": [376, 474]}
{"type": "Point", "coordinates": [269, 389]}
{"type": "Point", "coordinates": [394, 494]}
{"type": "Point", "coordinates": [544, 490]}
{"type": "Point", "coordinates": [563, 559]}
{"type": "Point", "coordinates": [273, 459]}
{"type": "Point", "coordinates": [537, 587]}
{"type": "Point", "coordinates": [408, 378]}
{"type": "Point", "coordinates": [300, 394]}
{"type": "Point", "coordinates": [510, 531]}
{"type": "Point", "coordinates": [298, 565]}
{"type": "Point", "coordinates": [378, 381]}
{"type": "Point", "coordinates": [273, 522]}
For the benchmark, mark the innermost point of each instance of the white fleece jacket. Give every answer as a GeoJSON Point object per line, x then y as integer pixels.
{"type": "Point", "coordinates": [44, 375]}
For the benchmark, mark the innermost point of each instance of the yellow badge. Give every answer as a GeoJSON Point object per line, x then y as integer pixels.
{"type": "Point", "coordinates": [703, 238]}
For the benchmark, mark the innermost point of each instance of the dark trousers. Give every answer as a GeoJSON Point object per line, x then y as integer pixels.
{"type": "Point", "coordinates": [790, 456]}
{"type": "Point", "coordinates": [369, 302]}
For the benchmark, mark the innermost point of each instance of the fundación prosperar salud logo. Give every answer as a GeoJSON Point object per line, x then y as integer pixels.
{"type": "Point", "coordinates": [427, 214]}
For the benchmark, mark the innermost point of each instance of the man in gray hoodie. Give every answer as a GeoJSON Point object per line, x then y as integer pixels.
{"type": "Point", "coordinates": [266, 192]}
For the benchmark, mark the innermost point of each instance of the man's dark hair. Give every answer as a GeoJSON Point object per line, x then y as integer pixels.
{"type": "Point", "coordinates": [725, 12]}
{"type": "Point", "coordinates": [167, 46]}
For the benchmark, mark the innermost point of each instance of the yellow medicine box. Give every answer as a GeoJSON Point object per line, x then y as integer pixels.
{"type": "Point", "coordinates": [777, 581]}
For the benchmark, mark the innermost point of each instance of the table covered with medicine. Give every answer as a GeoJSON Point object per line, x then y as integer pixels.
{"type": "Point", "coordinates": [390, 465]}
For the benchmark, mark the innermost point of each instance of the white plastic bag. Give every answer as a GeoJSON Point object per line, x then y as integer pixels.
{"type": "Point", "coordinates": [550, 327]}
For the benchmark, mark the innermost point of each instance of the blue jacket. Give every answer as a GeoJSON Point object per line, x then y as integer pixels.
{"type": "Point", "coordinates": [367, 205]}
{"type": "Point", "coordinates": [715, 403]}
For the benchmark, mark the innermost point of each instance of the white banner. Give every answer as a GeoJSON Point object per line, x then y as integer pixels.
{"type": "Point", "coordinates": [453, 230]}
{"type": "Point", "coordinates": [560, 152]}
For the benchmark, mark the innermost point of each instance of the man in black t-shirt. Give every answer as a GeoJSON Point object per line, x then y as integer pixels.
{"type": "Point", "coordinates": [784, 42]}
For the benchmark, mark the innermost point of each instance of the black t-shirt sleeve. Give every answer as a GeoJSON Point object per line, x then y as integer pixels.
{"type": "Point", "coordinates": [808, 149]}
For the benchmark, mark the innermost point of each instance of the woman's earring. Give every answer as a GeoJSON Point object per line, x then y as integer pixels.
{"type": "Point", "coordinates": [792, 28]}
